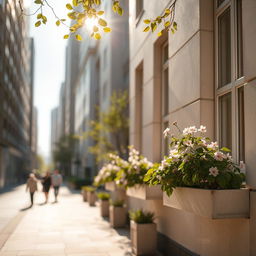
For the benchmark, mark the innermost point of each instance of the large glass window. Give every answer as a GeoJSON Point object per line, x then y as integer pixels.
{"type": "Point", "coordinates": [139, 7]}
{"type": "Point", "coordinates": [224, 46]}
{"type": "Point", "coordinates": [225, 127]}
{"type": "Point", "coordinates": [230, 92]}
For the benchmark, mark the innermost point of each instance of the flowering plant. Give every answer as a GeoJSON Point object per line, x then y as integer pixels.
{"type": "Point", "coordinates": [195, 161]}
{"type": "Point", "coordinates": [138, 167]}
{"type": "Point", "coordinates": [109, 170]}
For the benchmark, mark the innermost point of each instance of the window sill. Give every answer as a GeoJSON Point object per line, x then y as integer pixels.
{"type": "Point", "coordinates": [213, 204]}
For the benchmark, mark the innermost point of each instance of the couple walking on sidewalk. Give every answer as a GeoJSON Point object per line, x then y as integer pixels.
{"type": "Point", "coordinates": [54, 180]}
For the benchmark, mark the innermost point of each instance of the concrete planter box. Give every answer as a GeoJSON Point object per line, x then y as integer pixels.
{"type": "Point", "coordinates": [91, 198]}
{"type": "Point", "coordinates": [104, 208]}
{"type": "Point", "coordinates": [111, 186]}
{"type": "Point", "coordinates": [117, 216]}
{"type": "Point", "coordinates": [143, 238]}
{"type": "Point", "coordinates": [145, 192]}
{"type": "Point", "coordinates": [84, 194]}
{"type": "Point", "coordinates": [214, 204]}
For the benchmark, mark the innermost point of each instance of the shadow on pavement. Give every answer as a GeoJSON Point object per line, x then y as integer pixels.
{"type": "Point", "coordinates": [26, 208]}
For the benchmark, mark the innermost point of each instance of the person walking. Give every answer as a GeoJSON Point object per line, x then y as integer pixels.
{"type": "Point", "coordinates": [32, 187]}
{"type": "Point", "coordinates": [56, 182]}
{"type": "Point", "coordinates": [46, 182]}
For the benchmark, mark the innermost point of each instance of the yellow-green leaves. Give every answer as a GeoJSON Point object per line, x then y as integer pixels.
{"type": "Point", "coordinates": [69, 7]}
{"type": "Point", "coordinates": [97, 36]}
{"type": "Point", "coordinates": [100, 13]}
{"type": "Point", "coordinates": [167, 21]}
{"type": "Point", "coordinates": [107, 29]}
{"type": "Point", "coordinates": [66, 36]}
{"type": "Point", "coordinates": [102, 22]}
{"type": "Point", "coordinates": [38, 23]}
{"type": "Point", "coordinates": [79, 37]}
{"type": "Point", "coordinates": [58, 22]}
{"type": "Point", "coordinates": [38, 2]}
{"type": "Point", "coordinates": [117, 8]}
{"type": "Point", "coordinates": [75, 2]}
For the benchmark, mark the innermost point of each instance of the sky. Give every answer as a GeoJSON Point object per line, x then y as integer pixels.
{"type": "Point", "coordinates": [49, 68]}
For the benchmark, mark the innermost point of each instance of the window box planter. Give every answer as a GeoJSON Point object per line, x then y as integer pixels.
{"type": "Point", "coordinates": [104, 208]}
{"type": "Point", "coordinates": [117, 216]}
{"type": "Point", "coordinates": [214, 204]}
{"type": "Point", "coordinates": [111, 186]}
{"type": "Point", "coordinates": [143, 238]}
{"type": "Point", "coordinates": [145, 192]}
{"type": "Point", "coordinates": [91, 198]}
{"type": "Point", "coordinates": [84, 194]}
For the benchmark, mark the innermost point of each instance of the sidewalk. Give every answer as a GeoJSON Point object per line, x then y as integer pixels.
{"type": "Point", "coordinates": [68, 228]}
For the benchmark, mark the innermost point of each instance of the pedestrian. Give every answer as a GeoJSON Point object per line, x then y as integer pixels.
{"type": "Point", "coordinates": [46, 182]}
{"type": "Point", "coordinates": [32, 187]}
{"type": "Point", "coordinates": [56, 182]}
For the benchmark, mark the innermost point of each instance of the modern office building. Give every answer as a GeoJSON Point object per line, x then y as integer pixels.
{"type": "Point", "coordinates": [203, 74]}
{"type": "Point", "coordinates": [103, 69]}
{"type": "Point", "coordinates": [54, 128]}
{"type": "Point", "coordinates": [16, 90]}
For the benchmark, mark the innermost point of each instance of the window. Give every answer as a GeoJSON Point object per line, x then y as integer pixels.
{"type": "Point", "coordinates": [139, 105]}
{"type": "Point", "coordinates": [139, 8]}
{"type": "Point", "coordinates": [165, 95]}
{"type": "Point", "coordinates": [229, 87]}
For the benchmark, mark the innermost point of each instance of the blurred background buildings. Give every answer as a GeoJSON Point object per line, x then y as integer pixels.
{"type": "Point", "coordinates": [18, 116]}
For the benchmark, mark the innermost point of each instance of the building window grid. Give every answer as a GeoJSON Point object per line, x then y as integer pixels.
{"type": "Point", "coordinates": [237, 79]}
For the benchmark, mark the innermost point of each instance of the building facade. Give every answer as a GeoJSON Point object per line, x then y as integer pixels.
{"type": "Point", "coordinates": [203, 74]}
{"type": "Point", "coordinates": [103, 69]}
{"type": "Point", "coordinates": [16, 94]}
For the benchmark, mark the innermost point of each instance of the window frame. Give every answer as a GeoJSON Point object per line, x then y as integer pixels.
{"type": "Point", "coordinates": [236, 82]}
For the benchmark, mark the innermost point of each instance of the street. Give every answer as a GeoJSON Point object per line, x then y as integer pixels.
{"type": "Point", "coordinates": [67, 228]}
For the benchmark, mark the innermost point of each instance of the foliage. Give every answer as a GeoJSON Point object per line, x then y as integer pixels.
{"type": "Point", "coordinates": [137, 168]}
{"type": "Point", "coordinates": [195, 161]}
{"type": "Point", "coordinates": [103, 196]}
{"type": "Point", "coordinates": [109, 171]}
{"type": "Point", "coordinates": [89, 189]}
{"type": "Point", "coordinates": [64, 150]}
{"type": "Point", "coordinates": [110, 132]}
{"type": "Point", "coordinates": [117, 203]}
{"type": "Point", "coordinates": [80, 12]}
{"type": "Point", "coordinates": [142, 217]}
{"type": "Point", "coordinates": [166, 20]}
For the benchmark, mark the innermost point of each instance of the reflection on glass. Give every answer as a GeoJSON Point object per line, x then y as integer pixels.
{"type": "Point", "coordinates": [225, 121]}
{"type": "Point", "coordinates": [241, 132]}
{"type": "Point", "coordinates": [224, 49]}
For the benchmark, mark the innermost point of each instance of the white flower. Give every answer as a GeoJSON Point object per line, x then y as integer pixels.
{"type": "Point", "coordinates": [186, 131]}
{"type": "Point", "coordinates": [202, 129]}
{"type": "Point", "coordinates": [166, 132]}
{"type": "Point", "coordinates": [242, 166]}
{"type": "Point", "coordinates": [213, 171]}
{"type": "Point", "coordinates": [189, 143]}
{"type": "Point", "coordinates": [189, 130]}
{"type": "Point", "coordinates": [192, 129]}
{"type": "Point", "coordinates": [219, 156]}
{"type": "Point", "coordinates": [213, 145]}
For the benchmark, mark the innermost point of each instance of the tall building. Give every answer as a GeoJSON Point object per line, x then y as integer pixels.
{"type": "Point", "coordinates": [203, 74]}
{"type": "Point", "coordinates": [103, 69]}
{"type": "Point", "coordinates": [16, 90]}
{"type": "Point", "coordinates": [54, 128]}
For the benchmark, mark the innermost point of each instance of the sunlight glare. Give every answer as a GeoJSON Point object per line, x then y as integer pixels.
{"type": "Point", "coordinates": [90, 23]}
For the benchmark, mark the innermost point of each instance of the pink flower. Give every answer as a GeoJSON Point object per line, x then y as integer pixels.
{"type": "Point", "coordinates": [202, 129]}
{"type": "Point", "coordinates": [213, 171]}
{"type": "Point", "coordinates": [219, 156]}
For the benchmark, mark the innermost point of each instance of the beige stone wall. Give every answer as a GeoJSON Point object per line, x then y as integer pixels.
{"type": "Point", "coordinates": [191, 102]}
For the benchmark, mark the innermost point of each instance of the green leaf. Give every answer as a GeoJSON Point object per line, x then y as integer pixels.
{"type": "Point", "coordinates": [120, 11]}
{"type": "Point", "coordinates": [38, 23]}
{"type": "Point", "coordinates": [167, 24]}
{"type": "Point", "coordinates": [147, 21]}
{"type": "Point", "coordinates": [66, 36]}
{"type": "Point", "coordinates": [39, 16]}
{"type": "Point", "coordinates": [102, 22]}
{"type": "Point", "coordinates": [57, 22]}
{"type": "Point", "coordinates": [100, 13]}
{"type": "Point", "coordinates": [75, 2]}
{"type": "Point", "coordinates": [97, 36]}
{"type": "Point", "coordinates": [153, 26]}
{"type": "Point", "coordinates": [107, 29]}
{"type": "Point", "coordinates": [175, 25]}
{"type": "Point", "coordinates": [79, 37]}
{"type": "Point", "coordinates": [69, 7]}
{"type": "Point", "coordinates": [224, 149]}
{"type": "Point", "coordinates": [38, 2]}
{"type": "Point", "coordinates": [146, 29]}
